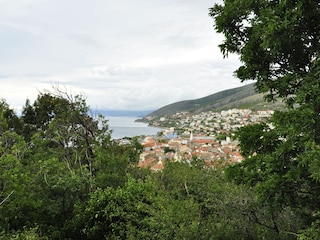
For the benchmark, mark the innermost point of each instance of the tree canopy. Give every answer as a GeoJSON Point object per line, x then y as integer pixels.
{"type": "Point", "coordinates": [63, 177]}
{"type": "Point", "coordinates": [279, 43]}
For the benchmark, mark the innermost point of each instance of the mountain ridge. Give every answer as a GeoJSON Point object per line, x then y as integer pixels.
{"type": "Point", "coordinates": [239, 97]}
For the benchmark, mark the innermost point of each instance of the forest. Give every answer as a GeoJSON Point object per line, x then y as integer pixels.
{"type": "Point", "coordinates": [63, 177]}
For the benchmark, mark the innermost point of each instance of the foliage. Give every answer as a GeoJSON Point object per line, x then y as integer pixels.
{"type": "Point", "coordinates": [27, 234]}
{"type": "Point", "coordinates": [278, 43]}
{"type": "Point", "coordinates": [50, 162]}
{"type": "Point", "coordinates": [63, 177]}
{"type": "Point", "coordinates": [168, 149]}
{"type": "Point", "coordinates": [14, 177]}
{"type": "Point", "coordinates": [226, 210]}
{"type": "Point", "coordinates": [139, 210]}
{"type": "Point", "coordinates": [9, 120]}
{"type": "Point", "coordinates": [113, 162]}
{"type": "Point", "coordinates": [313, 232]}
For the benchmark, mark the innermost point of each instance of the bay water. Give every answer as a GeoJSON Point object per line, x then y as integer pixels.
{"type": "Point", "coordinates": [127, 127]}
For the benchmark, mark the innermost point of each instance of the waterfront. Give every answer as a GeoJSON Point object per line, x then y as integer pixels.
{"type": "Point", "coordinates": [127, 127]}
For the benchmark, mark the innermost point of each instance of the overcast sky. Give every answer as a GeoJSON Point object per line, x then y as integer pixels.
{"type": "Point", "coordinates": [122, 54]}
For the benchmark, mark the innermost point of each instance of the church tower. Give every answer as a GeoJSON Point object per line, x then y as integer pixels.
{"type": "Point", "coordinates": [191, 141]}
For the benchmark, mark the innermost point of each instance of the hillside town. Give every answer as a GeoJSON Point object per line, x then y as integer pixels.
{"type": "Point", "coordinates": [208, 137]}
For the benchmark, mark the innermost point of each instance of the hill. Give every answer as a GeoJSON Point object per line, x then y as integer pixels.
{"type": "Point", "coordinates": [240, 97]}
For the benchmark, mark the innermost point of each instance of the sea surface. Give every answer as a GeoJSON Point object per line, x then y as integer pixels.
{"type": "Point", "coordinates": [127, 127]}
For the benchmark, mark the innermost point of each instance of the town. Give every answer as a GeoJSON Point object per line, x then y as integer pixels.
{"type": "Point", "coordinates": [208, 137]}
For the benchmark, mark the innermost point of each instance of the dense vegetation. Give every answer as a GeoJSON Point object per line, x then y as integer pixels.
{"type": "Point", "coordinates": [63, 177]}
{"type": "Point", "coordinates": [279, 43]}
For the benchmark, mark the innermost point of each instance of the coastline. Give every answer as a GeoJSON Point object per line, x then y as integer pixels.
{"type": "Point", "coordinates": [128, 126]}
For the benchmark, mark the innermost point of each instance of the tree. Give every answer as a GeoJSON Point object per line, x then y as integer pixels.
{"type": "Point", "coordinates": [113, 163]}
{"type": "Point", "coordinates": [9, 119]}
{"type": "Point", "coordinates": [62, 124]}
{"type": "Point", "coordinates": [14, 176]}
{"type": "Point", "coordinates": [225, 210]}
{"type": "Point", "coordinates": [53, 158]}
{"type": "Point", "coordinates": [138, 210]}
{"type": "Point", "coordinates": [278, 43]}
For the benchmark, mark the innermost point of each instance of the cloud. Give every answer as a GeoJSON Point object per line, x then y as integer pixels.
{"type": "Point", "coordinates": [118, 71]}
{"type": "Point", "coordinates": [137, 55]}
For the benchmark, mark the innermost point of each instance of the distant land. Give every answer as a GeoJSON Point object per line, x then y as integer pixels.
{"type": "Point", "coordinates": [124, 113]}
{"type": "Point", "coordinates": [240, 97]}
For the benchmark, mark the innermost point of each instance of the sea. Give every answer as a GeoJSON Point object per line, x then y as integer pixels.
{"type": "Point", "coordinates": [127, 127]}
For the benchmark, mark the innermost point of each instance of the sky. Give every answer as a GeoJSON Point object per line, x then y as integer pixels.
{"type": "Point", "coordinates": [122, 55]}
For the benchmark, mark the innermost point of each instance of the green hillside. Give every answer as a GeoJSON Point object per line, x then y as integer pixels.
{"type": "Point", "coordinates": [240, 97]}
